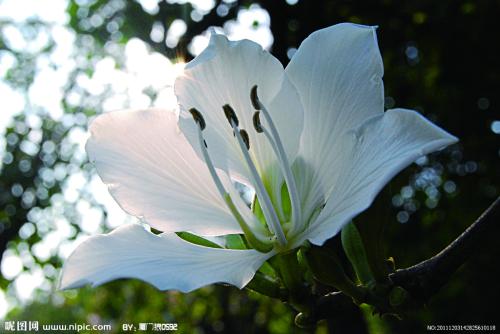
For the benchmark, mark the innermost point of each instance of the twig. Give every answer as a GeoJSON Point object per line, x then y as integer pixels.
{"type": "Point", "coordinates": [424, 279]}
{"type": "Point", "coordinates": [427, 277]}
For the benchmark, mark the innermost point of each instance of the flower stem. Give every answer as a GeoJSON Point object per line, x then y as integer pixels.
{"type": "Point", "coordinates": [291, 273]}
{"type": "Point", "coordinates": [267, 286]}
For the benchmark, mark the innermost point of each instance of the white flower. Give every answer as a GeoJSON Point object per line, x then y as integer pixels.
{"type": "Point", "coordinates": [324, 149]}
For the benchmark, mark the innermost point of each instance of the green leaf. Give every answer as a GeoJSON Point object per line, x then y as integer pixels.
{"type": "Point", "coordinates": [267, 286]}
{"type": "Point", "coordinates": [267, 269]}
{"type": "Point", "coordinates": [371, 233]}
{"type": "Point", "coordinates": [326, 268]}
{"type": "Point", "coordinates": [197, 240]}
{"type": "Point", "coordinates": [356, 253]}
{"type": "Point", "coordinates": [257, 210]}
{"type": "Point", "coordinates": [235, 241]}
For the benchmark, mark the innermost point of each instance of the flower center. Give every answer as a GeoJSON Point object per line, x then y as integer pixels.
{"type": "Point", "coordinates": [270, 131]}
{"type": "Point", "coordinates": [256, 241]}
{"type": "Point", "coordinates": [263, 196]}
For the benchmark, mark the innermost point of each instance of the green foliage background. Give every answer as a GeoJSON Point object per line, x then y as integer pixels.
{"type": "Point", "coordinates": [440, 58]}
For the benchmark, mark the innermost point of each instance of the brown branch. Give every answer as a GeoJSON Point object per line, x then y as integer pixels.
{"type": "Point", "coordinates": [424, 279]}
{"type": "Point", "coordinates": [427, 277]}
{"type": "Point", "coordinates": [338, 309]}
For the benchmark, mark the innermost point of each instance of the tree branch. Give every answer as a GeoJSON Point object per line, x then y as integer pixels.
{"type": "Point", "coordinates": [427, 277]}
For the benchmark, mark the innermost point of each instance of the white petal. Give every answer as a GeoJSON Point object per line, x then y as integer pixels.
{"type": "Point", "coordinates": [165, 261]}
{"type": "Point", "coordinates": [373, 154]}
{"type": "Point", "coordinates": [224, 74]}
{"type": "Point", "coordinates": [338, 74]}
{"type": "Point", "coordinates": [153, 173]}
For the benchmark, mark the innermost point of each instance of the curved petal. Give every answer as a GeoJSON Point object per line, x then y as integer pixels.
{"type": "Point", "coordinates": [153, 173]}
{"type": "Point", "coordinates": [373, 154]}
{"type": "Point", "coordinates": [224, 73]}
{"type": "Point", "coordinates": [338, 74]}
{"type": "Point", "coordinates": [165, 261]}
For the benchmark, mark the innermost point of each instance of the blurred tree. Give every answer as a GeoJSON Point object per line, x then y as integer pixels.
{"type": "Point", "coordinates": [440, 59]}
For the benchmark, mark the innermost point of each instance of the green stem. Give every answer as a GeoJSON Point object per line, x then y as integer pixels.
{"type": "Point", "coordinates": [291, 275]}
{"type": "Point", "coordinates": [267, 286]}
{"type": "Point", "coordinates": [327, 269]}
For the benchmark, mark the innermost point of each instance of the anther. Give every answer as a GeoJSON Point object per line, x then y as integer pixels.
{"type": "Point", "coordinates": [255, 98]}
{"type": "Point", "coordinates": [198, 118]}
{"type": "Point", "coordinates": [246, 139]}
{"type": "Point", "coordinates": [256, 122]}
{"type": "Point", "coordinates": [230, 114]}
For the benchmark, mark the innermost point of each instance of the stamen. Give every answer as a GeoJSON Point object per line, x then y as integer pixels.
{"type": "Point", "coordinates": [258, 127]}
{"type": "Point", "coordinates": [256, 122]}
{"type": "Point", "coordinates": [246, 139]}
{"type": "Point", "coordinates": [198, 118]}
{"type": "Point", "coordinates": [230, 114]}
{"type": "Point", "coordinates": [265, 202]}
{"type": "Point", "coordinates": [252, 238]}
{"type": "Point", "coordinates": [255, 98]}
{"type": "Point", "coordinates": [210, 165]}
{"type": "Point", "coordinates": [277, 145]}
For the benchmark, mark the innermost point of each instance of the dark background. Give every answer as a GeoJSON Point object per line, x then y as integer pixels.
{"type": "Point", "coordinates": [441, 58]}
